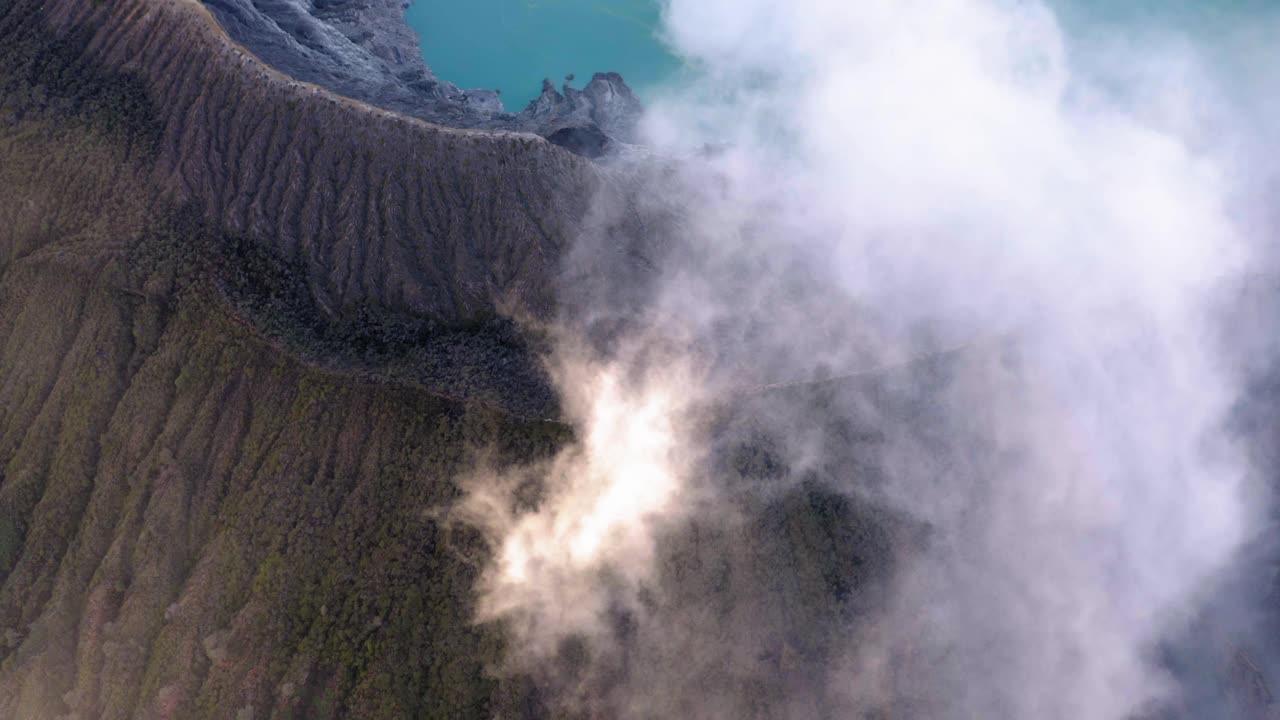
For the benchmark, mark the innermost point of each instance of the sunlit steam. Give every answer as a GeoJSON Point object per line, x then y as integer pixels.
{"type": "Point", "coordinates": [855, 184]}
{"type": "Point", "coordinates": [603, 498]}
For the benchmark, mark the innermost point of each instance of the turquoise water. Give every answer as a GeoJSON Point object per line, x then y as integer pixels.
{"type": "Point", "coordinates": [1234, 40]}
{"type": "Point", "coordinates": [511, 45]}
{"type": "Point", "coordinates": [1186, 16]}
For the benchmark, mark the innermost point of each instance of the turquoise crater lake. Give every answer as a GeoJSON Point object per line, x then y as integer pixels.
{"type": "Point", "coordinates": [512, 45]}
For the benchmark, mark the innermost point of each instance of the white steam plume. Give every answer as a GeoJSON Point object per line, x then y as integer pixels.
{"type": "Point", "coordinates": [855, 184]}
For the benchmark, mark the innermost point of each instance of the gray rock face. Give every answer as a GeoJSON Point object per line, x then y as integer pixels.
{"type": "Point", "coordinates": [363, 49]}
{"type": "Point", "coordinates": [352, 47]}
{"type": "Point", "coordinates": [606, 107]}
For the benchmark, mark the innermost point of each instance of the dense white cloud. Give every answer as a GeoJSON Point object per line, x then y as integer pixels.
{"type": "Point", "coordinates": [859, 183]}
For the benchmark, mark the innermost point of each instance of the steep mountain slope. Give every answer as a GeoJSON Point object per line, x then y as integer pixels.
{"type": "Point", "coordinates": [376, 207]}
{"type": "Point", "coordinates": [250, 337]}
{"type": "Point", "coordinates": [178, 493]}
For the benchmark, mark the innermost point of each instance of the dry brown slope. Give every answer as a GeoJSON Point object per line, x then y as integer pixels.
{"type": "Point", "coordinates": [193, 521]}
{"type": "Point", "coordinates": [197, 520]}
{"type": "Point", "coordinates": [378, 207]}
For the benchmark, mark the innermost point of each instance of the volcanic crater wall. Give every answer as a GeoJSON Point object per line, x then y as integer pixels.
{"type": "Point", "coordinates": [199, 517]}
{"type": "Point", "coordinates": [378, 207]}
{"type": "Point", "coordinates": [222, 492]}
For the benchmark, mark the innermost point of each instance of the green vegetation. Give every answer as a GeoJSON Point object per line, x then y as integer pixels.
{"type": "Point", "coordinates": [51, 76]}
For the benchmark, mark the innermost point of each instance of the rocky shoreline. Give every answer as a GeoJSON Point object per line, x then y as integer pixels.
{"type": "Point", "coordinates": [364, 49]}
